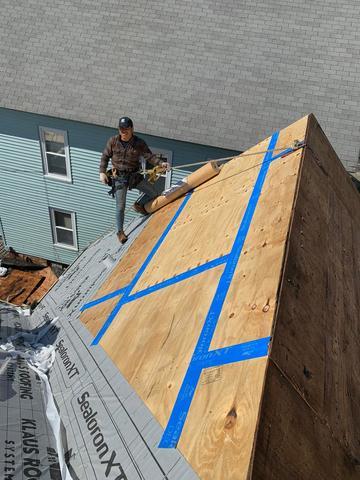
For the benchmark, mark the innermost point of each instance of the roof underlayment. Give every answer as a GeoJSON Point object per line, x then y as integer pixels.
{"type": "Point", "coordinates": [192, 351]}
{"type": "Point", "coordinates": [128, 433]}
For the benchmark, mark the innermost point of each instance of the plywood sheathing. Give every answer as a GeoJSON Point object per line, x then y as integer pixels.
{"type": "Point", "coordinates": [94, 317]}
{"type": "Point", "coordinates": [155, 360]}
{"type": "Point", "coordinates": [308, 423]}
{"type": "Point", "coordinates": [126, 269]}
{"type": "Point", "coordinates": [219, 431]}
{"type": "Point", "coordinates": [152, 339]}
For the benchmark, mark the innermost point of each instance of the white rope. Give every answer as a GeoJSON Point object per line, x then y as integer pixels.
{"type": "Point", "coordinates": [294, 145]}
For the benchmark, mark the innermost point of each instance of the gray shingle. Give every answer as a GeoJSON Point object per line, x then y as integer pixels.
{"type": "Point", "coordinates": [252, 64]}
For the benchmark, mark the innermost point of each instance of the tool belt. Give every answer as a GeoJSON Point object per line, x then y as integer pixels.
{"type": "Point", "coordinates": [125, 178]}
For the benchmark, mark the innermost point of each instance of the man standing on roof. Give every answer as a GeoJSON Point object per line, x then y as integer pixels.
{"type": "Point", "coordinates": [125, 151]}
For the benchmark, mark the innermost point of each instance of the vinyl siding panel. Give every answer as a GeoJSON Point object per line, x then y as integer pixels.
{"type": "Point", "coordinates": [27, 195]}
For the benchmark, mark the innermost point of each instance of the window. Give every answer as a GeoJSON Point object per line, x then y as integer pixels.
{"type": "Point", "coordinates": [55, 152]}
{"type": "Point", "coordinates": [64, 228]}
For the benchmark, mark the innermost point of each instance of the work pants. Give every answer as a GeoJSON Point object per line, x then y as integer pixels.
{"type": "Point", "coordinates": [121, 188]}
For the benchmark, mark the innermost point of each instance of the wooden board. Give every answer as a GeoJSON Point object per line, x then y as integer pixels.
{"type": "Point", "coordinates": [19, 286]}
{"type": "Point", "coordinates": [308, 425]}
{"type": "Point", "coordinates": [250, 307]}
{"type": "Point", "coordinates": [94, 317]}
{"type": "Point", "coordinates": [126, 269]}
{"type": "Point", "coordinates": [292, 441]}
{"type": "Point", "coordinates": [220, 427]}
{"type": "Point", "coordinates": [152, 339]}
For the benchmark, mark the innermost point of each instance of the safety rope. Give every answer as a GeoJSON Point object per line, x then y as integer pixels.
{"type": "Point", "coordinates": [295, 146]}
{"type": "Point", "coordinates": [156, 171]}
{"type": "Point", "coordinates": [284, 152]}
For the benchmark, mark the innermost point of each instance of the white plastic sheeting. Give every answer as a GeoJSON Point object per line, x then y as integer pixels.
{"type": "Point", "coordinates": [40, 359]}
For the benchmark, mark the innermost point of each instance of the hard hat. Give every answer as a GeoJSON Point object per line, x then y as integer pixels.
{"type": "Point", "coordinates": [125, 122]}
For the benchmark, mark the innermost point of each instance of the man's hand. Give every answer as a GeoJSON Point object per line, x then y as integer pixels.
{"type": "Point", "coordinates": [165, 165]}
{"type": "Point", "coordinates": [103, 178]}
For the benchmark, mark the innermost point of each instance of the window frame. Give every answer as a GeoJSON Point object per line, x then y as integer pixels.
{"type": "Point", "coordinates": [56, 243]}
{"type": "Point", "coordinates": [63, 178]}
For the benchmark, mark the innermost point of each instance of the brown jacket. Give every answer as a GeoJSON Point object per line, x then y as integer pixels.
{"type": "Point", "coordinates": [126, 158]}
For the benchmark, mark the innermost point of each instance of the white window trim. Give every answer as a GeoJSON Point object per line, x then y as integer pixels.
{"type": "Point", "coordinates": [169, 156]}
{"type": "Point", "coordinates": [64, 178]}
{"type": "Point", "coordinates": [54, 227]}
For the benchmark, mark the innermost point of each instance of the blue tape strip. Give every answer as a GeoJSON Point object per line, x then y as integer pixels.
{"type": "Point", "coordinates": [226, 278]}
{"type": "Point", "coordinates": [281, 154]}
{"type": "Point", "coordinates": [179, 413]}
{"type": "Point", "coordinates": [182, 404]}
{"type": "Point", "coordinates": [154, 288]}
{"type": "Point", "coordinates": [234, 353]}
{"type": "Point", "coordinates": [179, 278]}
{"type": "Point", "coordinates": [131, 285]}
{"type": "Point", "coordinates": [102, 299]}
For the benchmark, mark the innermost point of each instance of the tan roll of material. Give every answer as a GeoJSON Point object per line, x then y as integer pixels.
{"type": "Point", "coordinates": [193, 180]}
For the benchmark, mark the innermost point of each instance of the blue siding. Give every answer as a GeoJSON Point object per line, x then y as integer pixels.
{"type": "Point", "coordinates": [26, 194]}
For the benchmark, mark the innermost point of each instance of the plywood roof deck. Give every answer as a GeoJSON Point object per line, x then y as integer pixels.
{"type": "Point", "coordinates": [152, 339]}
{"type": "Point", "coordinates": [202, 296]}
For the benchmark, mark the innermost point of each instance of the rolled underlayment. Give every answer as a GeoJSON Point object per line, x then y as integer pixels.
{"type": "Point", "coordinates": [193, 180]}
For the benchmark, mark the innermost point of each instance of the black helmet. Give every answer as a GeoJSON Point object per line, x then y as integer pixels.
{"type": "Point", "coordinates": [125, 122]}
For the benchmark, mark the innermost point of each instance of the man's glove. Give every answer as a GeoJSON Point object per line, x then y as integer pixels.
{"type": "Point", "coordinates": [165, 165]}
{"type": "Point", "coordinates": [103, 178]}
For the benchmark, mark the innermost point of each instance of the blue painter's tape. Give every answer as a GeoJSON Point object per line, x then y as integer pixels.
{"type": "Point", "coordinates": [179, 278]}
{"type": "Point", "coordinates": [181, 407]}
{"type": "Point", "coordinates": [166, 283]}
{"type": "Point", "coordinates": [102, 299]}
{"type": "Point", "coordinates": [141, 270]}
{"type": "Point", "coordinates": [182, 404]}
{"type": "Point", "coordinates": [234, 353]}
{"type": "Point", "coordinates": [226, 278]}
{"type": "Point", "coordinates": [281, 154]}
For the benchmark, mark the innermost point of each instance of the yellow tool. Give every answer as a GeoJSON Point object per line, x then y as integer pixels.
{"type": "Point", "coordinates": [155, 173]}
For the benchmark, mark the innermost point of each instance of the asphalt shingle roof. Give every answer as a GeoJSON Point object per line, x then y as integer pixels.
{"type": "Point", "coordinates": [224, 73]}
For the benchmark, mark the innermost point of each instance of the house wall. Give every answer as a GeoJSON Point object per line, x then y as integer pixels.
{"type": "Point", "coordinates": [26, 194]}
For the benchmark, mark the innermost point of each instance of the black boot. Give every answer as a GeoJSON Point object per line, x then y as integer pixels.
{"type": "Point", "coordinates": [121, 236]}
{"type": "Point", "coordinates": [140, 208]}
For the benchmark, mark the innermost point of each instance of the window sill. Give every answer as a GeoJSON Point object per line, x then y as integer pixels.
{"type": "Point", "coordinates": [58, 178]}
{"type": "Point", "coordinates": [67, 247]}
